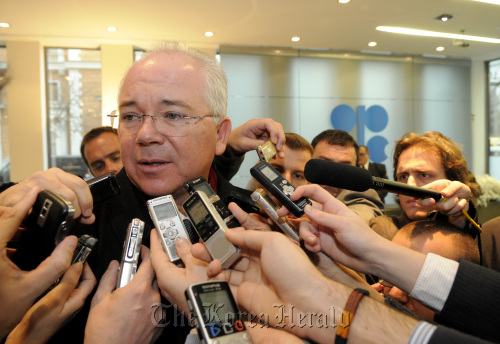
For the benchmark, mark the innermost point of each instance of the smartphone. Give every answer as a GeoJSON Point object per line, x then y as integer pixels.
{"type": "Point", "coordinates": [266, 151]}
{"type": "Point", "coordinates": [279, 187]}
{"type": "Point", "coordinates": [103, 187]}
{"type": "Point", "coordinates": [167, 221]}
{"type": "Point", "coordinates": [201, 184]}
{"type": "Point", "coordinates": [215, 313]}
{"type": "Point", "coordinates": [51, 215]}
{"type": "Point", "coordinates": [271, 209]}
{"type": "Point", "coordinates": [131, 252]}
{"type": "Point", "coordinates": [85, 245]}
{"type": "Point", "coordinates": [211, 228]}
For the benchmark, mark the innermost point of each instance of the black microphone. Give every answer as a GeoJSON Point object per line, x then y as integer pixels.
{"type": "Point", "coordinates": [353, 178]}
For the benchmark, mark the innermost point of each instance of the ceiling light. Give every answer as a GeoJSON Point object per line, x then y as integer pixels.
{"type": "Point", "coordinates": [444, 17]}
{"type": "Point", "coordinates": [440, 49]}
{"type": "Point", "coordinates": [425, 33]}
{"type": "Point", "coordinates": [295, 39]}
{"type": "Point", "coordinates": [111, 29]}
{"type": "Point", "coordinates": [4, 25]}
{"type": "Point", "coordinates": [494, 2]}
{"type": "Point", "coordinates": [344, 1]}
{"type": "Point", "coordinates": [372, 44]}
{"type": "Point", "coordinates": [209, 34]}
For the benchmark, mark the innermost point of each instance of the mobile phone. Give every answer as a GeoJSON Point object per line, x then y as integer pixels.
{"type": "Point", "coordinates": [131, 251]}
{"type": "Point", "coordinates": [266, 151]}
{"type": "Point", "coordinates": [86, 244]}
{"type": "Point", "coordinates": [271, 208]}
{"type": "Point", "coordinates": [211, 228]}
{"type": "Point", "coordinates": [279, 187]}
{"type": "Point", "coordinates": [201, 184]}
{"type": "Point", "coordinates": [103, 187]}
{"type": "Point", "coordinates": [167, 221]}
{"type": "Point", "coordinates": [215, 313]}
{"type": "Point", "coordinates": [51, 215]}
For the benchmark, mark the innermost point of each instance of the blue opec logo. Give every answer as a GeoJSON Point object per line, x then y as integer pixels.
{"type": "Point", "coordinates": [374, 118]}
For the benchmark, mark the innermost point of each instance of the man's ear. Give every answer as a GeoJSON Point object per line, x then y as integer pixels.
{"type": "Point", "coordinates": [222, 135]}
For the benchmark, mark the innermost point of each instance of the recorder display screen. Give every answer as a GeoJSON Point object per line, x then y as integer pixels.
{"type": "Point", "coordinates": [164, 211]}
{"type": "Point", "coordinates": [198, 212]}
{"type": "Point", "coordinates": [269, 173]}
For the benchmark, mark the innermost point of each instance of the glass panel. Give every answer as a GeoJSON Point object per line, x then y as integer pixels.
{"type": "Point", "coordinates": [74, 104]}
{"type": "Point", "coordinates": [494, 117]}
{"type": "Point", "coordinates": [4, 123]}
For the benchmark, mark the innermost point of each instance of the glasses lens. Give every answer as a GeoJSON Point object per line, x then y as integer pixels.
{"type": "Point", "coordinates": [168, 123]}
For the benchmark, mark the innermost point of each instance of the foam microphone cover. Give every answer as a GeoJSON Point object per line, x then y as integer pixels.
{"type": "Point", "coordinates": [342, 176]}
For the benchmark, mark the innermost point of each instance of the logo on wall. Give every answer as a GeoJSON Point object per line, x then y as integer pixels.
{"type": "Point", "coordinates": [374, 118]}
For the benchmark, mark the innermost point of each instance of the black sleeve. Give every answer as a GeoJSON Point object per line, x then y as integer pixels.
{"type": "Point", "coordinates": [444, 335]}
{"type": "Point", "coordinates": [473, 305]}
{"type": "Point", "coordinates": [228, 164]}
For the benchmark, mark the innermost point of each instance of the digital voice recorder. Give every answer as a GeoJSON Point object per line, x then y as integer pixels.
{"type": "Point", "coordinates": [266, 151]}
{"type": "Point", "coordinates": [211, 228]}
{"type": "Point", "coordinates": [168, 223]}
{"type": "Point", "coordinates": [279, 187]}
{"type": "Point", "coordinates": [201, 184]}
{"type": "Point", "coordinates": [271, 208]}
{"type": "Point", "coordinates": [131, 252]}
{"type": "Point", "coordinates": [215, 313]}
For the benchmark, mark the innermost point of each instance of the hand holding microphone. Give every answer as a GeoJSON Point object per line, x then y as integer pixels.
{"type": "Point", "coordinates": [353, 178]}
{"type": "Point", "coordinates": [343, 176]}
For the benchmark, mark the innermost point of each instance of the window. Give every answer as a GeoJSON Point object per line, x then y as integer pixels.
{"type": "Point", "coordinates": [4, 124]}
{"type": "Point", "coordinates": [74, 104]}
{"type": "Point", "coordinates": [494, 117]}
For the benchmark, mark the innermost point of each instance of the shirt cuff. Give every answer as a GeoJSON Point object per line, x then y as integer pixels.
{"type": "Point", "coordinates": [422, 333]}
{"type": "Point", "coordinates": [435, 281]}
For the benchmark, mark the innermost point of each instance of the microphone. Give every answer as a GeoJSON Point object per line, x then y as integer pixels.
{"type": "Point", "coordinates": [353, 178]}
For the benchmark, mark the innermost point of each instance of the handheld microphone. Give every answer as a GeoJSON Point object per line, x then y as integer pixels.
{"type": "Point", "coordinates": [353, 178]}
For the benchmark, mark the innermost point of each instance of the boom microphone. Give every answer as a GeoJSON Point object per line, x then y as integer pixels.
{"type": "Point", "coordinates": [348, 177]}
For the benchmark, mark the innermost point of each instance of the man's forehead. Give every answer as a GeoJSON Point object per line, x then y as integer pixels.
{"type": "Point", "coordinates": [419, 158]}
{"type": "Point", "coordinates": [335, 153]}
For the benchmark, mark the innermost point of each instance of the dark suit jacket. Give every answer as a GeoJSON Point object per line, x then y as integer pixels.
{"type": "Point", "coordinates": [112, 219]}
{"type": "Point", "coordinates": [473, 305]}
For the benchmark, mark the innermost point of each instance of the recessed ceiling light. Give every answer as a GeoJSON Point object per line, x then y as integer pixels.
{"type": "Point", "coordinates": [372, 44]}
{"type": "Point", "coordinates": [111, 29]}
{"type": "Point", "coordinates": [444, 17]}
{"type": "Point", "coordinates": [494, 2]}
{"type": "Point", "coordinates": [209, 34]}
{"type": "Point", "coordinates": [440, 49]}
{"type": "Point", "coordinates": [344, 1]}
{"type": "Point", "coordinates": [425, 33]}
{"type": "Point", "coordinates": [4, 25]}
{"type": "Point", "coordinates": [295, 39]}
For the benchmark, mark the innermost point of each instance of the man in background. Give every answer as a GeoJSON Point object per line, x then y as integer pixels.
{"type": "Point", "coordinates": [340, 147]}
{"type": "Point", "coordinates": [375, 169]}
{"type": "Point", "coordinates": [439, 237]}
{"type": "Point", "coordinates": [100, 150]}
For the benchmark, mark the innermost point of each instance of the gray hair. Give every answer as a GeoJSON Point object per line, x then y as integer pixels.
{"type": "Point", "coordinates": [215, 94]}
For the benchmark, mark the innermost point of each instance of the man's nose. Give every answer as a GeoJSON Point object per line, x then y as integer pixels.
{"type": "Point", "coordinates": [411, 181]}
{"type": "Point", "coordinates": [148, 133]}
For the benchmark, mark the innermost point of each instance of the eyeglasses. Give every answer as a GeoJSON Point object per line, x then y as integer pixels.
{"type": "Point", "coordinates": [167, 123]}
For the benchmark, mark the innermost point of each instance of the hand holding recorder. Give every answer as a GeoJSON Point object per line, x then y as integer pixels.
{"type": "Point", "coordinates": [124, 315]}
{"type": "Point", "coordinates": [19, 289]}
{"type": "Point", "coordinates": [254, 133]}
{"type": "Point", "coordinates": [70, 187]}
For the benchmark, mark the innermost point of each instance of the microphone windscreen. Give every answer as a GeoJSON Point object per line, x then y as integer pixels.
{"type": "Point", "coordinates": [342, 176]}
